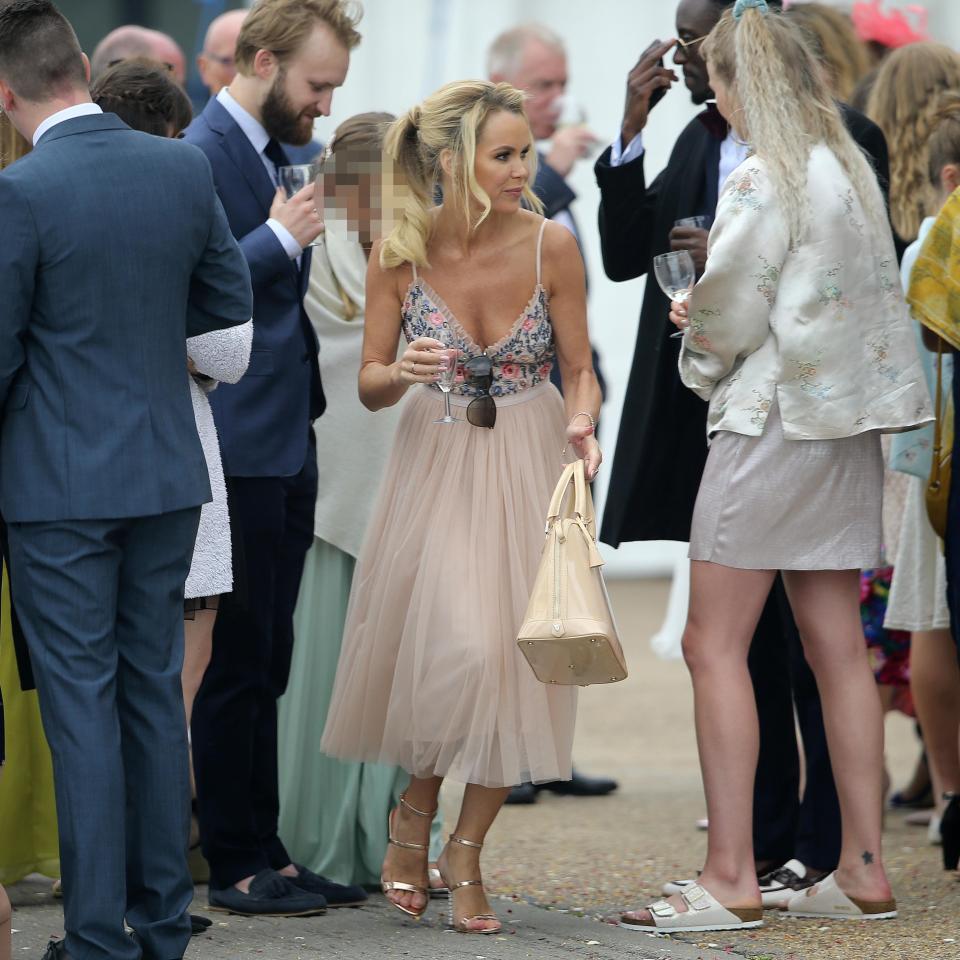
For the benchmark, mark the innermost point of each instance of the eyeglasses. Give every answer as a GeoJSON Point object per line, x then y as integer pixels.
{"type": "Point", "coordinates": [685, 45]}
{"type": "Point", "coordinates": [482, 410]}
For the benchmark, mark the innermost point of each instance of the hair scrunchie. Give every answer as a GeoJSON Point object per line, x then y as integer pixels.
{"type": "Point", "coordinates": [741, 7]}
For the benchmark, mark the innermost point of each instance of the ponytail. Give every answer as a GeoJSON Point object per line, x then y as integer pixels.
{"type": "Point", "coordinates": [407, 242]}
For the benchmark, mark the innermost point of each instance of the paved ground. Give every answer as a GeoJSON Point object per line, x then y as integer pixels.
{"type": "Point", "coordinates": [564, 865]}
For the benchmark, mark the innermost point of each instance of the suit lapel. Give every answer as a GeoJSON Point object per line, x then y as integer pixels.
{"type": "Point", "coordinates": [241, 152]}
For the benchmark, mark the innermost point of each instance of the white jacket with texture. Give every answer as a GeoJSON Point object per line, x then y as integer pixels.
{"type": "Point", "coordinates": [823, 328]}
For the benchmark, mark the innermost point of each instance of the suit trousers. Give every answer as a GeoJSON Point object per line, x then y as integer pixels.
{"type": "Point", "coordinates": [101, 602]}
{"type": "Point", "coordinates": [234, 723]}
{"type": "Point", "coordinates": [784, 824]}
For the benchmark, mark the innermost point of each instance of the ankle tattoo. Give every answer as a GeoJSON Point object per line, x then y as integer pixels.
{"type": "Point", "coordinates": [867, 857]}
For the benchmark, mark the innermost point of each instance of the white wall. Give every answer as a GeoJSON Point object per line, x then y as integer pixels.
{"type": "Point", "coordinates": [411, 47]}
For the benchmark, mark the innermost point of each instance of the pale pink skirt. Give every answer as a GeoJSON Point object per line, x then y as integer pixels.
{"type": "Point", "coordinates": [430, 677]}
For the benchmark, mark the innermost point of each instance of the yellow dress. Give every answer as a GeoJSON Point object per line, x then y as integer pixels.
{"type": "Point", "coordinates": [28, 817]}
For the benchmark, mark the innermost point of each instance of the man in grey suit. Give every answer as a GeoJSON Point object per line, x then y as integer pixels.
{"type": "Point", "coordinates": [115, 250]}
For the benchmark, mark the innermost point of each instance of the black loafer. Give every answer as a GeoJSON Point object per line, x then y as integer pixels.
{"type": "Point", "coordinates": [525, 793]}
{"type": "Point", "coordinates": [199, 924]}
{"type": "Point", "coordinates": [56, 950]}
{"type": "Point", "coordinates": [271, 895]}
{"type": "Point", "coordinates": [581, 786]}
{"type": "Point", "coordinates": [336, 894]}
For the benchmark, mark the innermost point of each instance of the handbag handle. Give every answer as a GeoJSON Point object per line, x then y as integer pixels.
{"type": "Point", "coordinates": [556, 501]}
{"type": "Point", "coordinates": [938, 420]}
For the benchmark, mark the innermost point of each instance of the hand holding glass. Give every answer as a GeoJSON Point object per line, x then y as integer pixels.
{"type": "Point", "coordinates": [294, 178]}
{"type": "Point", "coordinates": [675, 273]}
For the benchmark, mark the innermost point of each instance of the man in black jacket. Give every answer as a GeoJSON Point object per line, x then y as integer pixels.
{"type": "Point", "coordinates": [661, 448]}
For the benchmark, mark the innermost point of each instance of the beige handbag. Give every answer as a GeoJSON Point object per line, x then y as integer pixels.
{"type": "Point", "coordinates": [569, 635]}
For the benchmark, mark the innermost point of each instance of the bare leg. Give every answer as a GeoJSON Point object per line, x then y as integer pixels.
{"type": "Point", "coordinates": [725, 605]}
{"type": "Point", "coordinates": [458, 862]}
{"type": "Point", "coordinates": [826, 606]}
{"type": "Point", "coordinates": [935, 683]}
{"type": "Point", "coordinates": [410, 866]}
{"type": "Point", "coordinates": [197, 648]}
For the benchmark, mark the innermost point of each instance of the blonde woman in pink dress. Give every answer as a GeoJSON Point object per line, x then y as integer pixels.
{"type": "Point", "coordinates": [430, 677]}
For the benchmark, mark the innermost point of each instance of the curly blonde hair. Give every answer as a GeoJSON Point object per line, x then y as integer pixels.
{"type": "Point", "coordinates": [904, 104]}
{"type": "Point", "coordinates": [787, 108]}
{"type": "Point", "coordinates": [450, 119]}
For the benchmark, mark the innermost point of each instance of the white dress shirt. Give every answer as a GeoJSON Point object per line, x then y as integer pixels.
{"type": "Point", "coordinates": [732, 153]}
{"type": "Point", "coordinates": [259, 138]}
{"type": "Point", "coordinates": [68, 113]}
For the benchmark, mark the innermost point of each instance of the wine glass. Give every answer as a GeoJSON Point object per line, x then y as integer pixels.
{"type": "Point", "coordinates": [675, 273]}
{"type": "Point", "coordinates": [447, 371]}
{"type": "Point", "coordinates": [700, 222]}
{"type": "Point", "coordinates": [294, 178]}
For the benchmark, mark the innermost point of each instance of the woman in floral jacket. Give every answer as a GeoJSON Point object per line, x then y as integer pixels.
{"type": "Point", "coordinates": [798, 336]}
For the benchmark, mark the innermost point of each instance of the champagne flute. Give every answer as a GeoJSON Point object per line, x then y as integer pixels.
{"type": "Point", "coordinates": [294, 178]}
{"type": "Point", "coordinates": [675, 273]}
{"type": "Point", "coordinates": [447, 371]}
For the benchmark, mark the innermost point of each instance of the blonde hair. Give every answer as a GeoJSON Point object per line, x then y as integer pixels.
{"type": "Point", "coordinates": [835, 43]}
{"type": "Point", "coordinates": [281, 26]}
{"type": "Point", "coordinates": [787, 109]}
{"type": "Point", "coordinates": [12, 145]}
{"type": "Point", "coordinates": [450, 119]}
{"type": "Point", "coordinates": [903, 103]}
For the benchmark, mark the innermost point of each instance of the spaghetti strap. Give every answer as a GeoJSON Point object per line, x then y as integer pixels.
{"type": "Point", "coordinates": [539, 247]}
{"type": "Point", "coordinates": [415, 277]}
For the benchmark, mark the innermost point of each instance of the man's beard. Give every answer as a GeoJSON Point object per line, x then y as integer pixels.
{"type": "Point", "coordinates": [279, 118]}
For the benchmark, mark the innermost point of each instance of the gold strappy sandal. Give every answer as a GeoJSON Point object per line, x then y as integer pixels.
{"type": "Point", "coordinates": [388, 886]}
{"type": "Point", "coordinates": [461, 925]}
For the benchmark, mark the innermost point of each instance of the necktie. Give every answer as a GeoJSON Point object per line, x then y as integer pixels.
{"type": "Point", "coordinates": [274, 153]}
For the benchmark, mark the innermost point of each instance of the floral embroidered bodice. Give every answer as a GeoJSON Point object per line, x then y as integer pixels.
{"type": "Point", "coordinates": [521, 359]}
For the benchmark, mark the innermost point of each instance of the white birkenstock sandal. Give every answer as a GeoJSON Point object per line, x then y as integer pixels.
{"type": "Point", "coordinates": [826, 899]}
{"type": "Point", "coordinates": [703, 913]}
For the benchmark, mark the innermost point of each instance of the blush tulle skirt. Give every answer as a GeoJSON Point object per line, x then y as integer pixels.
{"type": "Point", "coordinates": [430, 677]}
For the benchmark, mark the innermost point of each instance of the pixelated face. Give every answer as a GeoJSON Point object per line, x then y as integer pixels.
{"type": "Point", "coordinates": [363, 194]}
{"type": "Point", "coordinates": [502, 166]}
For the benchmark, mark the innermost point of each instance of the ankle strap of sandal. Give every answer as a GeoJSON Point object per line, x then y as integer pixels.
{"type": "Point", "coordinates": [420, 813]}
{"type": "Point", "coordinates": [464, 842]}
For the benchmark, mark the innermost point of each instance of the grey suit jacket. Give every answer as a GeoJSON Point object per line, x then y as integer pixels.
{"type": "Point", "coordinates": [115, 250]}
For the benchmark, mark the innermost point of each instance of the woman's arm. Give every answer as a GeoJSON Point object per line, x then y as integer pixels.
{"type": "Point", "coordinates": [383, 378]}
{"type": "Point", "coordinates": [729, 309]}
{"type": "Point", "coordinates": [564, 279]}
{"type": "Point", "coordinates": [222, 354]}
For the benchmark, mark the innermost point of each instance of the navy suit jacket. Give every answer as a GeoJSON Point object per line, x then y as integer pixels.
{"type": "Point", "coordinates": [115, 250]}
{"type": "Point", "coordinates": [264, 420]}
